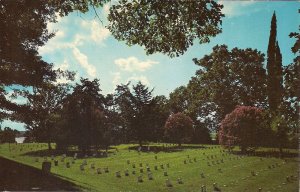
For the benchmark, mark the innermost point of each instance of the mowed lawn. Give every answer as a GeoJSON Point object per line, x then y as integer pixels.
{"type": "Point", "coordinates": [205, 165]}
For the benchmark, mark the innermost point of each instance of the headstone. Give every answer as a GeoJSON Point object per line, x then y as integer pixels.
{"type": "Point", "coordinates": [99, 171]}
{"type": "Point", "coordinates": [81, 167]}
{"type": "Point", "coordinates": [148, 169]}
{"type": "Point", "coordinates": [165, 173]}
{"type": "Point", "coordinates": [133, 165]}
{"type": "Point", "coordinates": [141, 170]}
{"type": "Point", "coordinates": [168, 165]}
{"type": "Point", "coordinates": [155, 167]}
{"type": "Point", "coordinates": [162, 166]}
{"type": "Point", "coordinates": [208, 163]}
{"type": "Point", "coordinates": [118, 174]}
{"type": "Point", "coordinates": [68, 164]}
{"type": "Point", "coordinates": [150, 177]}
{"type": "Point", "coordinates": [133, 172]}
{"type": "Point", "coordinates": [195, 160]}
{"type": "Point", "coordinates": [126, 172]}
{"type": "Point", "coordinates": [56, 163]}
{"type": "Point", "coordinates": [141, 164]}
{"type": "Point", "coordinates": [168, 183]}
{"type": "Point", "coordinates": [92, 165]}
{"type": "Point", "coordinates": [215, 188]}
{"type": "Point", "coordinates": [106, 170]}
{"type": "Point", "coordinates": [155, 157]}
{"type": "Point", "coordinates": [52, 157]}
{"type": "Point", "coordinates": [46, 166]}
{"type": "Point", "coordinates": [140, 179]}
{"type": "Point", "coordinates": [73, 161]}
{"type": "Point", "coordinates": [84, 162]}
{"type": "Point", "coordinates": [184, 161]}
{"type": "Point", "coordinates": [179, 180]}
{"type": "Point", "coordinates": [202, 175]}
{"type": "Point", "coordinates": [203, 188]}
{"type": "Point", "coordinates": [62, 159]}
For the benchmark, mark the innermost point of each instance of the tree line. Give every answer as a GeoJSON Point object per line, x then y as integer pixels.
{"type": "Point", "coordinates": [227, 85]}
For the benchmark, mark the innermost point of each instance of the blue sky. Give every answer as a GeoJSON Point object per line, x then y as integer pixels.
{"type": "Point", "coordinates": [84, 45]}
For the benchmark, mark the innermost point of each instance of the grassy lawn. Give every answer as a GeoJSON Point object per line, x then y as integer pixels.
{"type": "Point", "coordinates": [234, 174]}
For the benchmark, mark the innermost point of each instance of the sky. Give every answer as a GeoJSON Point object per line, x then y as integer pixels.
{"type": "Point", "coordinates": [83, 44]}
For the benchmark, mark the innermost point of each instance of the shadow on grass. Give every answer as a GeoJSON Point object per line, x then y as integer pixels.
{"type": "Point", "coordinates": [277, 154]}
{"type": "Point", "coordinates": [19, 177]}
{"type": "Point", "coordinates": [69, 153]}
{"type": "Point", "coordinates": [172, 148]}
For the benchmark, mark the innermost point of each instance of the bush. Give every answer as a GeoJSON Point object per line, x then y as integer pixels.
{"type": "Point", "coordinates": [242, 127]}
{"type": "Point", "coordinates": [179, 128]}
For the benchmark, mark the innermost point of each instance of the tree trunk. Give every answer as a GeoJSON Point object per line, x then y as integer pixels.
{"type": "Point", "coordinates": [49, 146]}
{"type": "Point", "coordinates": [243, 149]}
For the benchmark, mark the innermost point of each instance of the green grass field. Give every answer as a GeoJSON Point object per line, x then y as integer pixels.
{"type": "Point", "coordinates": [231, 172]}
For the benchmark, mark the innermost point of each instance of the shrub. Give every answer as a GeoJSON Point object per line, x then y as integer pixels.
{"type": "Point", "coordinates": [242, 127]}
{"type": "Point", "coordinates": [179, 128]}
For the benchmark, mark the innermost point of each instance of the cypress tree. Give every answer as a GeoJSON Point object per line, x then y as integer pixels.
{"type": "Point", "coordinates": [274, 68]}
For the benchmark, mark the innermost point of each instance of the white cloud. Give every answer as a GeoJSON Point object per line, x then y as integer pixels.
{"type": "Point", "coordinates": [97, 34]}
{"type": "Point", "coordinates": [235, 8]}
{"type": "Point", "coordinates": [83, 61]}
{"type": "Point", "coordinates": [64, 66]}
{"type": "Point", "coordinates": [143, 79]}
{"type": "Point", "coordinates": [133, 64]}
{"type": "Point", "coordinates": [88, 31]}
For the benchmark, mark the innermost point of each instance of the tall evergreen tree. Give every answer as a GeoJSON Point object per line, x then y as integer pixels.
{"type": "Point", "coordinates": [274, 68]}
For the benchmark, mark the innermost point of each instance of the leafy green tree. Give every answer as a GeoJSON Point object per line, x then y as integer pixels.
{"type": "Point", "coordinates": [160, 112]}
{"type": "Point", "coordinates": [274, 69]}
{"type": "Point", "coordinates": [135, 108]}
{"type": "Point", "coordinates": [169, 27]}
{"type": "Point", "coordinates": [201, 133]}
{"type": "Point", "coordinates": [23, 30]}
{"type": "Point", "coordinates": [83, 117]}
{"type": "Point", "coordinates": [179, 128]}
{"type": "Point", "coordinates": [227, 79]}
{"type": "Point", "coordinates": [8, 135]}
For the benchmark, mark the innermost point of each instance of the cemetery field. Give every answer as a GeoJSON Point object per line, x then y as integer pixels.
{"type": "Point", "coordinates": [196, 166]}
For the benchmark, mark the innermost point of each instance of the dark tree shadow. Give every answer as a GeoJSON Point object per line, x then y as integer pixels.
{"type": "Point", "coordinates": [269, 153]}
{"type": "Point", "coordinates": [47, 153]}
{"type": "Point", "coordinates": [172, 148]}
{"type": "Point", "coordinates": [19, 177]}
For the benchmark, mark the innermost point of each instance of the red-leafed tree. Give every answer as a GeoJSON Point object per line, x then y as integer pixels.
{"type": "Point", "coordinates": [242, 127]}
{"type": "Point", "coordinates": [178, 128]}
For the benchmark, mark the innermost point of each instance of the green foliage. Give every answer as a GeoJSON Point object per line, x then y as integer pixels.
{"type": "Point", "coordinates": [83, 116]}
{"type": "Point", "coordinates": [169, 27]}
{"type": "Point", "coordinates": [179, 128]}
{"type": "Point", "coordinates": [274, 68]}
{"type": "Point", "coordinates": [8, 135]}
{"type": "Point", "coordinates": [226, 79]}
{"type": "Point", "coordinates": [136, 110]}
